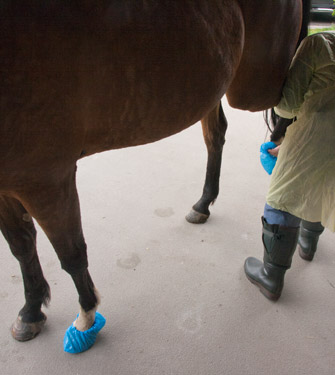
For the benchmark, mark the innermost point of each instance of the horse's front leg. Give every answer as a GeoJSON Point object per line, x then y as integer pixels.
{"type": "Point", "coordinates": [214, 127]}
{"type": "Point", "coordinates": [19, 231]}
{"type": "Point", "coordinates": [56, 208]}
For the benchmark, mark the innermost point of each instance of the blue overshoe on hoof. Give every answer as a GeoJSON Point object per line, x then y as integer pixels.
{"type": "Point", "coordinates": [77, 341]}
{"type": "Point", "coordinates": [268, 161]}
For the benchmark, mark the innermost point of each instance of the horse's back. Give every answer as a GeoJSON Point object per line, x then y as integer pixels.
{"type": "Point", "coordinates": [271, 34]}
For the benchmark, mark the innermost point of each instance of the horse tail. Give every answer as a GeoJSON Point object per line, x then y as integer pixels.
{"type": "Point", "coordinates": [270, 119]}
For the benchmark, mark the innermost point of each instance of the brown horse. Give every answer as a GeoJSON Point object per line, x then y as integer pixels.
{"type": "Point", "coordinates": [79, 78]}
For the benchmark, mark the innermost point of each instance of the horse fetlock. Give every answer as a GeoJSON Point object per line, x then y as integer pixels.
{"type": "Point", "coordinates": [31, 313]}
{"type": "Point", "coordinates": [85, 319]}
{"type": "Point", "coordinates": [37, 292]}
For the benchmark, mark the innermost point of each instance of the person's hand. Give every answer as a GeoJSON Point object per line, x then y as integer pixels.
{"type": "Point", "coordinates": [274, 151]}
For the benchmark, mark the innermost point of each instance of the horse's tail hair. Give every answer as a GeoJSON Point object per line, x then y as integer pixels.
{"type": "Point", "coordinates": [270, 119]}
{"type": "Point", "coordinates": [46, 295]}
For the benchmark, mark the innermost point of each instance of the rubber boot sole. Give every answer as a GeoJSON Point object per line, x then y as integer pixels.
{"type": "Point", "coordinates": [266, 293]}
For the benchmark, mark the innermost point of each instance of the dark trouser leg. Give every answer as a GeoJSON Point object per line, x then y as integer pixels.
{"type": "Point", "coordinates": [274, 216]}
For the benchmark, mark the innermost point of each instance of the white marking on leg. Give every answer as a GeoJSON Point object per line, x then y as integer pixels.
{"type": "Point", "coordinates": [86, 319]}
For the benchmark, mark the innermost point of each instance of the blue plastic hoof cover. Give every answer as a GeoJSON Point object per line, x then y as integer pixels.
{"type": "Point", "coordinates": [268, 161]}
{"type": "Point", "coordinates": [77, 341]}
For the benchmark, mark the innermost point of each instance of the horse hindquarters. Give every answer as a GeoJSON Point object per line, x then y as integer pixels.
{"type": "Point", "coordinates": [214, 127]}
{"type": "Point", "coordinates": [19, 231]}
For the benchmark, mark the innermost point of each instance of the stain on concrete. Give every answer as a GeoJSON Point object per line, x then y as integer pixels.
{"type": "Point", "coordinates": [190, 321]}
{"type": "Point", "coordinates": [16, 279]}
{"type": "Point", "coordinates": [3, 295]}
{"type": "Point", "coordinates": [129, 263]}
{"type": "Point", "coordinates": [164, 212]}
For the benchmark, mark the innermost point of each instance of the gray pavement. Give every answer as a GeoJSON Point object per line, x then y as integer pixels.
{"type": "Point", "coordinates": [174, 294]}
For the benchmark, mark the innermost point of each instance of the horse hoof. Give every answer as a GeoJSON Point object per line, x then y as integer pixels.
{"type": "Point", "coordinates": [195, 217]}
{"type": "Point", "coordinates": [22, 331]}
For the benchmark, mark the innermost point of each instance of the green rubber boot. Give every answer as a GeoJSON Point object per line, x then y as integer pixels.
{"type": "Point", "coordinates": [279, 246]}
{"type": "Point", "coordinates": [308, 239]}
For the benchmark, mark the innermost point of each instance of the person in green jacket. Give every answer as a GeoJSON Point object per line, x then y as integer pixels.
{"type": "Point", "coordinates": [302, 187]}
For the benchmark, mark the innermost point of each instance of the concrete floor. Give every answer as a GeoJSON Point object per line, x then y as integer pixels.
{"type": "Point", "coordinates": [174, 294]}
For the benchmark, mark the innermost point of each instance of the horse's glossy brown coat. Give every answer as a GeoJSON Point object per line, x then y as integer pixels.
{"type": "Point", "coordinates": [271, 33]}
{"type": "Point", "coordinates": [79, 78]}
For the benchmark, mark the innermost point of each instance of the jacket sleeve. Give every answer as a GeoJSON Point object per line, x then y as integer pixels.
{"type": "Point", "coordinates": [298, 80]}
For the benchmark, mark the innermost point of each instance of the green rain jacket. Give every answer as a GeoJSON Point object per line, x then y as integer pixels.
{"type": "Point", "coordinates": [303, 180]}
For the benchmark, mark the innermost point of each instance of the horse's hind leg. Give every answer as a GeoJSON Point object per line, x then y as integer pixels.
{"type": "Point", "coordinates": [214, 127]}
{"type": "Point", "coordinates": [19, 231]}
{"type": "Point", "coordinates": [56, 209]}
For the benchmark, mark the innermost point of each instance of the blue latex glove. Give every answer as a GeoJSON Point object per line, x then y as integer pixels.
{"type": "Point", "coordinates": [77, 341]}
{"type": "Point", "coordinates": [268, 161]}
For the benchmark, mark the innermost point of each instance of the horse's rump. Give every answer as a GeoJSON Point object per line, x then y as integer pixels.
{"type": "Point", "coordinates": [271, 33]}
